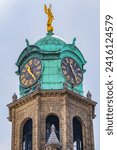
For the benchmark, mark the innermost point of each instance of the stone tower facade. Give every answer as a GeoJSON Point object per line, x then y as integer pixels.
{"type": "Point", "coordinates": [51, 113]}
{"type": "Point", "coordinates": [63, 104]}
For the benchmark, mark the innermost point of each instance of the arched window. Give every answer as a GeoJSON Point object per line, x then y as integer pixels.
{"type": "Point", "coordinates": [52, 119]}
{"type": "Point", "coordinates": [77, 134]}
{"type": "Point", "coordinates": [27, 135]}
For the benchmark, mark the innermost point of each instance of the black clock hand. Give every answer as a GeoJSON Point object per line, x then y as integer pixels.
{"type": "Point", "coordinates": [71, 72]}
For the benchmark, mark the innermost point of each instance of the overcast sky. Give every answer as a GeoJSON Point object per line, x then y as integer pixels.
{"type": "Point", "coordinates": [21, 19]}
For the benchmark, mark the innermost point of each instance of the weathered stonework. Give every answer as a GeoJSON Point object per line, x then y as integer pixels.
{"type": "Point", "coordinates": [63, 103]}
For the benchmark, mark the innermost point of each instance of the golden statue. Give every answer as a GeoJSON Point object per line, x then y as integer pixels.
{"type": "Point", "coordinates": [50, 18]}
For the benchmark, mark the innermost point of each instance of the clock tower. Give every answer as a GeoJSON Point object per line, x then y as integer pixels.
{"type": "Point", "coordinates": [52, 113]}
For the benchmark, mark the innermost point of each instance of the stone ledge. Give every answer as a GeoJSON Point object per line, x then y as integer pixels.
{"type": "Point", "coordinates": [51, 93]}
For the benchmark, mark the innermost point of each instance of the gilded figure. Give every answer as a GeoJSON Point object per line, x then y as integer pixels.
{"type": "Point", "coordinates": [50, 18]}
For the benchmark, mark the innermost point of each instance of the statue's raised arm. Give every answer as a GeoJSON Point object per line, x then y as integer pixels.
{"type": "Point", "coordinates": [45, 9]}
{"type": "Point", "coordinates": [50, 18]}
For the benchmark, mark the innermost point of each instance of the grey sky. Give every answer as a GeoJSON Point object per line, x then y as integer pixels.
{"type": "Point", "coordinates": [21, 19]}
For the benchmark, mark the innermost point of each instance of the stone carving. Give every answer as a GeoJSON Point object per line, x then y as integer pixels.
{"type": "Point", "coordinates": [89, 95]}
{"type": "Point", "coordinates": [14, 97]}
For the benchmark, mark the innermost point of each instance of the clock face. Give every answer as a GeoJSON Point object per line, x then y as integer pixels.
{"type": "Point", "coordinates": [31, 72]}
{"type": "Point", "coordinates": [71, 71]}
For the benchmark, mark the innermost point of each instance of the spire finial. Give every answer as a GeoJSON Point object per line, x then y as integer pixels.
{"type": "Point", "coordinates": [27, 44]}
{"type": "Point", "coordinates": [50, 17]}
{"type": "Point", "coordinates": [53, 138]}
{"type": "Point", "coordinates": [53, 141]}
{"type": "Point", "coordinates": [14, 97]}
{"type": "Point", "coordinates": [89, 95]}
{"type": "Point", "coordinates": [74, 41]}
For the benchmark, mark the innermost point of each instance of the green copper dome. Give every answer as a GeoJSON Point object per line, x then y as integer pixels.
{"type": "Point", "coordinates": [50, 50]}
{"type": "Point", "coordinates": [50, 43]}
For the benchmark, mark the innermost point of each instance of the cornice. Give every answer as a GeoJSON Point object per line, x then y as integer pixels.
{"type": "Point", "coordinates": [50, 93]}
{"type": "Point", "coordinates": [80, 98]}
